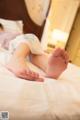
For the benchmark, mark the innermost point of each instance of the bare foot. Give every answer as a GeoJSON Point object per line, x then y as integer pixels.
{"type": "Point", "coordinates": [57, 63]}
{"type": "Point", "coordinates": [20, 69]}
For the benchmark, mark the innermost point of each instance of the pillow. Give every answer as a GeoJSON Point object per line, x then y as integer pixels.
{"type": "Point", "coordinates": [12, 25]}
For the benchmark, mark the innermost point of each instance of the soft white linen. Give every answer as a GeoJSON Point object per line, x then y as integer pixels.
{"type": "Point", "coordinates": [11, 44]}
{"type": "Point", "coordinates": [12, 25]}
{"type": "Point", "coordinates": [48, 100]}
{"type": "Point", "coordinates": [30, 39]}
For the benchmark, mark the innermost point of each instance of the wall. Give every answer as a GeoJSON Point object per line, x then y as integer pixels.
{"type": "Point", "coordinates": [59, 23]}
{"type": "Point", "coordinates": [73, 46]}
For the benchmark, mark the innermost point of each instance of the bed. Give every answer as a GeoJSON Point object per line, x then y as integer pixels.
{"type": "Point", "coordinates": [48, 100]}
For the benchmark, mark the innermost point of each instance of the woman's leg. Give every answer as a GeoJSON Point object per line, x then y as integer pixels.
{"type": "Point", "coordinates": [18, 65]}
{"type": "Point", "coordinates": [53, 64]}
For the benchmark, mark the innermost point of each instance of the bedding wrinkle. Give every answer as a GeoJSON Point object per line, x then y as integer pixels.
{"type": "Point", "coordinates": [48, 100]}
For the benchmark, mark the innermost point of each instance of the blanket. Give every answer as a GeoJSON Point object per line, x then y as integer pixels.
{"type": "Point", "coordinates": [48, 100]}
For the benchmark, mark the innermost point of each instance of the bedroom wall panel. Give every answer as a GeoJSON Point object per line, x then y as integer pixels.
{"type": "Point", "coordinates": [73, 45]}
{"type": "Point", "coordinates": [59, 23]}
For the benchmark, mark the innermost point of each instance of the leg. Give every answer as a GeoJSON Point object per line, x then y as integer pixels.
{"type": "Point", "coordinates": [54, 64]}
{"type": "Point", "coordinates": [40, 60]}
{"type": "Point", "coordinates": [18, 66]}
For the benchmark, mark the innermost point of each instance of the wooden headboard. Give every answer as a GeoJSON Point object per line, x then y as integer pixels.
{"type": "Point", "coordinates": [16, 10]}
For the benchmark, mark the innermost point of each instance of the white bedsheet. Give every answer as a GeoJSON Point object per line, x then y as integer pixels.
{"type": "Point", "coordinates": [48, 100]}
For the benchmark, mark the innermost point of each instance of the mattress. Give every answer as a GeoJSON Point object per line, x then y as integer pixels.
{"type": "Point", "coordinates": [48, 100]}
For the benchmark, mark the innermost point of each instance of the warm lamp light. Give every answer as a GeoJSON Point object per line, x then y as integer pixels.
{"type": "Point", "coordinates": [58, 35]}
